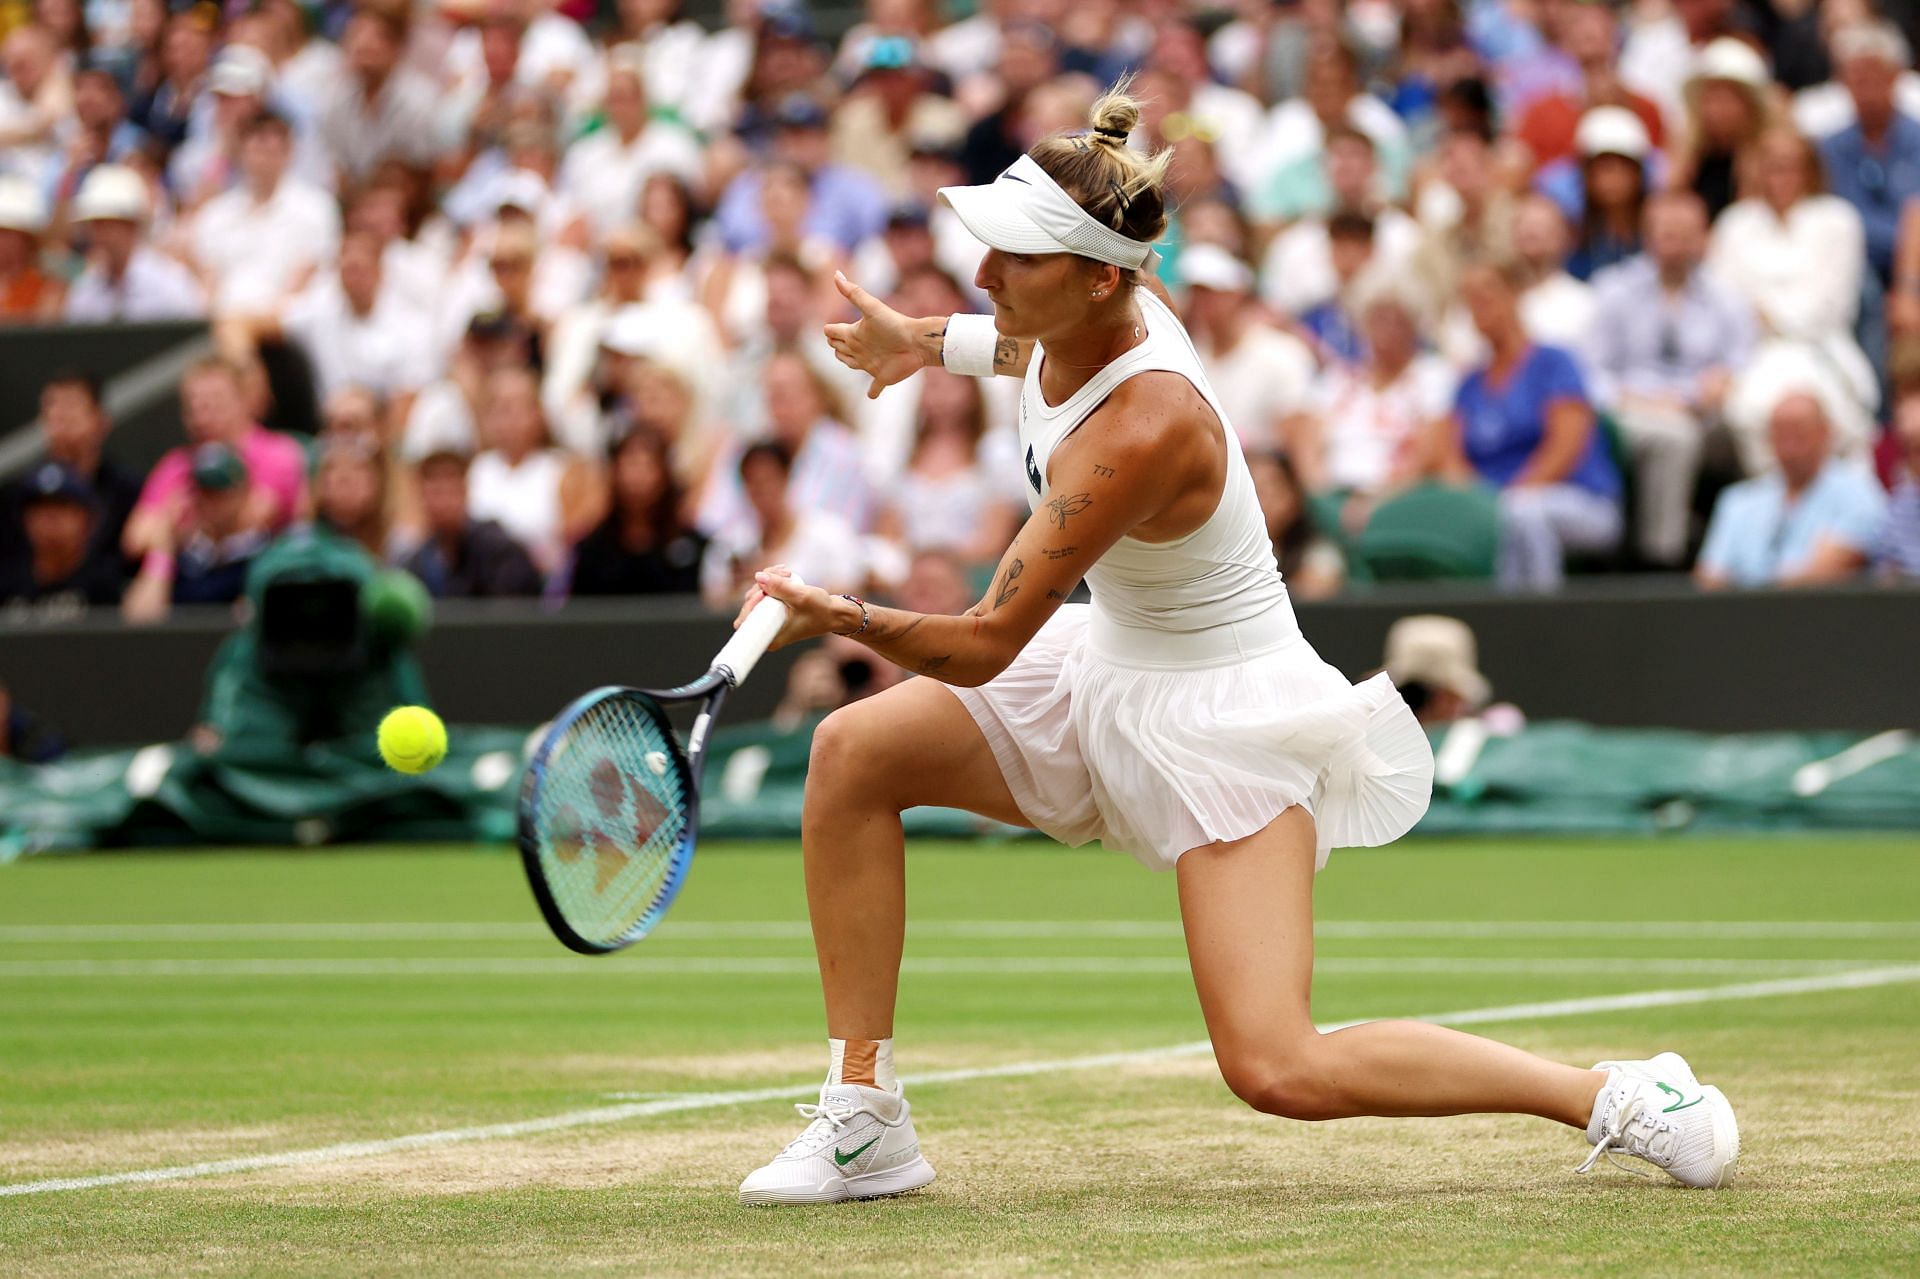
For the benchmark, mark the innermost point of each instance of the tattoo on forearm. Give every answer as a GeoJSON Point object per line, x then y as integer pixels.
{"type": "Point", "coordinates": [1007, 589]}
{"type": "Point", "coordinates": [1062, 507]}
{"type": "Point", "coordinates": [1058, 552]}
{"type": "Point", "coordinates": [904, 631]}
{"type": "Point", "coordinates": [1104, 472]}
{"type": "Point", "coordinates": [1006, 355]}
{"type": "Point", "coordinates": [933, 664]}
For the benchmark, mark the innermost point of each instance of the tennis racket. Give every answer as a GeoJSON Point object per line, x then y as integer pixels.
{"type": "Point", "coordinates": [610, 805]}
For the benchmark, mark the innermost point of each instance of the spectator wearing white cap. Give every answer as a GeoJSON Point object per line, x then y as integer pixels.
{"type": "Point", "coordinates": [378, 109]}
{"type": "Point", "coordinates": [261, 239]}
{"type": "Point", "coordinates": [207, 162]}
{"type": "Point", "coordinates": [1607, 191]}
{"type": "Point", "coordinates": [125, 278]}
{"type": "Point", "coordinates": [1261, 374]}
{"type": "Point", "coordinates": [29, 294]}
{"type": "Point", "coordinates": [604, 172]}
{"type": "Point", "coordinates": [1667, 341]}
{"type": "Point", "coordinates": [1729, 104]}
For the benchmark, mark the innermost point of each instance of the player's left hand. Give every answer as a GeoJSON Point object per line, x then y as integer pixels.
{"type": "Point", "coordinates": [810, 610]}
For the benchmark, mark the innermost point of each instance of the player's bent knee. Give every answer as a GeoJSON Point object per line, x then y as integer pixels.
{"type": "Point", "coordinates": [1279, 1083]}
{"type": "Point", "coordinates": [848, 752]}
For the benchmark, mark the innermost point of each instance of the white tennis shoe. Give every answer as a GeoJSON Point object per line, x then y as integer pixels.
{"type": "Point", "coordinates": [859, 1144]}
{"type": "Point", "coordinates": [1657, 1111]}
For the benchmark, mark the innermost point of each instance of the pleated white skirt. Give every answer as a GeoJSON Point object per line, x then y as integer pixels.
{"type": "Point", "coordinates": [1154, 742]}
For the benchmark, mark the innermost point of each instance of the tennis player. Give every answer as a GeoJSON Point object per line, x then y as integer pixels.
{"type": "Point", "coordinates": [1180, 716]}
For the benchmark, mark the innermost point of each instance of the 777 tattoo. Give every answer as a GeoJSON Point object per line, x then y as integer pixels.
{"type": "Point", "coordinates": [1062, 507]}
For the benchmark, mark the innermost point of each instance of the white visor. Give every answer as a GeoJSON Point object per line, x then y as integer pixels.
{"type": "Point", "coordinates": [1025, 211]}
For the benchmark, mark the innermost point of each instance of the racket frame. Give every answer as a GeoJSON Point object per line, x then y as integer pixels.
{"type": "Point", "coordinates": [730, 666]}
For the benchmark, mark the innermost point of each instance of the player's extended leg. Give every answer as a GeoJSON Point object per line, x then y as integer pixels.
{"type": "Point", "coordinates": [911, 745]}
{"type": "Point", "coordinates": [1247, 907]}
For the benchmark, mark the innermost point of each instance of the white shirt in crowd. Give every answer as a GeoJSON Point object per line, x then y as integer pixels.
{"type": "Point", "coordinates": [1801, 273]}
{"type": "Point", "coordinates": [602, 175]}
{"type": "Point", "coordinates": [384, 350]}
{"type": "Point", "coordinates": [524, 499]}
{"type": "Point", "coordinates": [1365, 428]}
{"type": "Point", "coordinates": [255, 251]}
{"type": "Point", "coordinates": [1267, 376]}
{"type": "Point", "coordinates": [1297, 273]}
{"type": "Point", "coordinates": [154, 287]}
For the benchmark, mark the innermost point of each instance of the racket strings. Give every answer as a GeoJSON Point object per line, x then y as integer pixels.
{"type": "Point", "coordinates": [613, 810]}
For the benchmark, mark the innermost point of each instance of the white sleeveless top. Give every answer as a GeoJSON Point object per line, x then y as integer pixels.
{"type": "Point", "coordinates": [1220, 574]}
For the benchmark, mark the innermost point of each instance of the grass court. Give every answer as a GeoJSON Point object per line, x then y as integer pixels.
{"type": "Point", "coordinates": [376, 1062]}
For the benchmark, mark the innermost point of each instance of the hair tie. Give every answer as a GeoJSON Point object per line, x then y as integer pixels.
{"type": "Point", "coordinates": [1118, 135]}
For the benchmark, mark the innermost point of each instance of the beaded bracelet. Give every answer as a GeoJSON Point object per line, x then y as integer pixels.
{"type": "Point", "coordinates": [866, 618]}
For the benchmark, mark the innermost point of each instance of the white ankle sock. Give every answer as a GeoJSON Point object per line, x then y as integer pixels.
{"type": "Point", "coordinates": [883, 1076]}
{"type": "Point", "coordinates": [1600, 1105]}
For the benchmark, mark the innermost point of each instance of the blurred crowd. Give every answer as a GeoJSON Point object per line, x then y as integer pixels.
{"type": "Point", "coordinates": [526, 296]}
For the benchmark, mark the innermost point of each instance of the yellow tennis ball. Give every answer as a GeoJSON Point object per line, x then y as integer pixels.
{"type": "Point", "coordinates": [412, 739]}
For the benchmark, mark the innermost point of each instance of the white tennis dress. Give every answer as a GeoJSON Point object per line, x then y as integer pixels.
{"type": "Point", "coordinates": [1183, 706]}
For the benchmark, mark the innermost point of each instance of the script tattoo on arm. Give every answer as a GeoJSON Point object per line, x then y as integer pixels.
{"type": "Point", "coordinates": [1060, 508]}
{"type": "Point", "coordinates": [1007, 589]}
{"type": "Point", "coordinates": [1104, 472]}
{"type": "Point", "coordinates": [1058, 552]}
{"type": "Point", "coordinates": [933, 664]}
{"type": "Point", "coordinates": [1056, 595]}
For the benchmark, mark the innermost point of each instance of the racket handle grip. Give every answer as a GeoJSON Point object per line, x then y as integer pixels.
{"type": "Point", "coordinates": [737, 659]}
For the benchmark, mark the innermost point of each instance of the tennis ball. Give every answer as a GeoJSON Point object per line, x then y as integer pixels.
{"type": "Point", "coordinates": [412, 739]}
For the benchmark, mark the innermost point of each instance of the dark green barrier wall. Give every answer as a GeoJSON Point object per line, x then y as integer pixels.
{"type": "Point", "coordinates": [1627, 653]}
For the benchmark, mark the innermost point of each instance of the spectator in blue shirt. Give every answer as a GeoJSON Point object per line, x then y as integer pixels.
{"type": "Point", "coordinates": [1523, 424]}
{"type": "Point", "coordinates": [1874, 163]}
{"type": "Point", "coordinates": [848, 207]}
{"type": "Point", "coordinates": [1812, 521]}
{"type": "Point", "coordinates": [1898, 555]}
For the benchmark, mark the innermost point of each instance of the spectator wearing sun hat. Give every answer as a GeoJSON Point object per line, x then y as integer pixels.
{"type": "Point", "coordinates": [29, 294]}
{"type": "Point", "coordinates": [125, 278]}
{"type": "Point", "coordinates": [1729, 104]}
{"type": "Point", "coordinates": [1434, 662]}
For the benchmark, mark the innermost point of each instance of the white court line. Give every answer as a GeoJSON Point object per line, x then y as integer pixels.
{"type": "Point", "coordinates": [932, 966]}
{"type": "Point", "coordinates": [986, 929]}
{"type": "Point", "coordinates": [1859, 979]}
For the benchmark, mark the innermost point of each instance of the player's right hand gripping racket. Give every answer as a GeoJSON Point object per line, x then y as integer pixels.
{"type": "Point", "coordinates": [611, 802]}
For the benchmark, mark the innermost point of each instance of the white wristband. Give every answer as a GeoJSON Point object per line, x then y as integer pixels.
{"type": "Point", "coordinates": [968, 346]}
